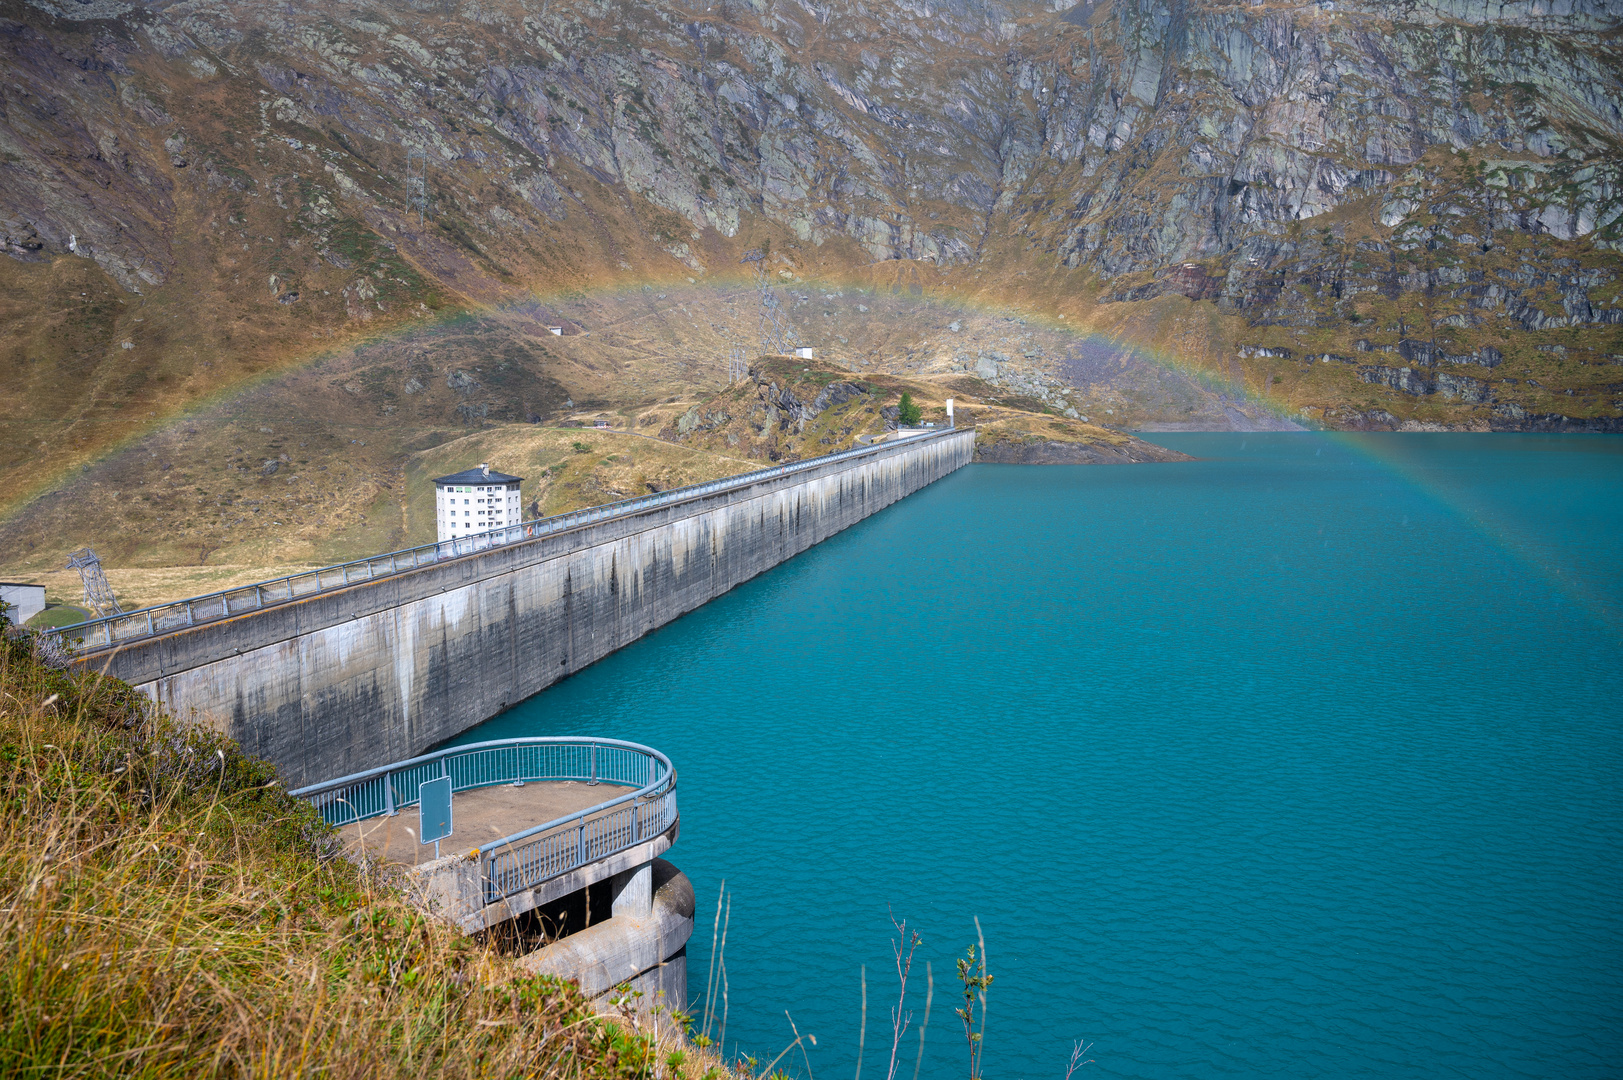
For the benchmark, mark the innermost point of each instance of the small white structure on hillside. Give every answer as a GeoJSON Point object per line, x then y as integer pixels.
{"type": "Point", "coordinates": [804, 352]}
{"type": "Point", "coordinates": [25, 600]}
{"type": "Point", "coordinates": [476, 500]}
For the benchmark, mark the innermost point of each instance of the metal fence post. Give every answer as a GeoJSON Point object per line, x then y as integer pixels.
{"type": "Point", "coordinates": [593, 781]}
{"type": "Point", "coordinates": [388, 794]}
{"type": "Point", "coordinates": [580, 842]}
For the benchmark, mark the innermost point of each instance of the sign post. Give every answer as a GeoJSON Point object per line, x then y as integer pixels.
{"type": "Point", "coordinates": [434, 811]}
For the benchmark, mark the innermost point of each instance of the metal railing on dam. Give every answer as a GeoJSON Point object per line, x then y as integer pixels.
{"type": "Point", "coordinates": [539, 853]}
{"type": "Point", "coordinates": [398, 654]}
{"type": "Point", "coordinates": [113, 630]}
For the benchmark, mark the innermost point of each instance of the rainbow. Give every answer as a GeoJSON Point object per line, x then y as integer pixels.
{"type": "Point", "coordinates": [1403, 456]}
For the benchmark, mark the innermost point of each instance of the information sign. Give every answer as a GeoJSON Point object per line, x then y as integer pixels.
{"type": "Point", "coordinates": [434, 811]}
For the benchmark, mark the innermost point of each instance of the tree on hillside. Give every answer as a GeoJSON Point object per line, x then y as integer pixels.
{"type": "Point", "coordinates": [908, 413]}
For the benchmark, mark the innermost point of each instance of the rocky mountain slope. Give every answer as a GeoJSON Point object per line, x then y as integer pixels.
{"type": "Point", "coordinates": [789, 409]}
{"type": "Point", "coordinates": [1366, 213]}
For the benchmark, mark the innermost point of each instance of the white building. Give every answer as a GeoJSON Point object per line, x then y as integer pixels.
{"type": "Point", "coordinates": [476, 500]}
{"type": "Point", "coordinates": [25, 600]}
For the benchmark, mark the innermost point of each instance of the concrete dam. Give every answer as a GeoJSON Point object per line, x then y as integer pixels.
{"type": "Point", "coordinates": [353, 677]}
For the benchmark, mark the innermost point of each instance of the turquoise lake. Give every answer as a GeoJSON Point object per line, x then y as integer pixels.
{"type": "Point", "coordinates": [1302, 759]}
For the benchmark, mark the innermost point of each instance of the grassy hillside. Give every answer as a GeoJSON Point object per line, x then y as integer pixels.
{"type": "Point", "coordinates": [240, 496]}
{"type": "Point", "coordinates": [564, 468]}
{"type": "Point", "coordinates": [169, 911]}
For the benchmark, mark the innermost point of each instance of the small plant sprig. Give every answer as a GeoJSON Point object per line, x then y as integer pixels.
{"type": "Point", "coordinates": [972, 973]}
{"type": "Point", "coordinates": [900, 1018]}
{"type": "Point", "coordinates": [623, 999]}
{"type": "Point", "coordinates": [717, 981]}
{"type": "Point", "coordinates": [1076, 1057]}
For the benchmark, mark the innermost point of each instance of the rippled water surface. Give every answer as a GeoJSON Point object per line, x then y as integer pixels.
{"type": "Point", "coordinates": [1299, 760]}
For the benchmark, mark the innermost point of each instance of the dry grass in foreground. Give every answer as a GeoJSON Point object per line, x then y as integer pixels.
{"type": "Point", "coordinates": [166, 910]}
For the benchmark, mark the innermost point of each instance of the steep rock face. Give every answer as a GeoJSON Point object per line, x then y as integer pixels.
{"type": "Point", "coordinates": [1135, 136]}
{"type": "Point", "coordinates": [266, 176]}
{"type": "Point", "coordinates": [1257, 120]}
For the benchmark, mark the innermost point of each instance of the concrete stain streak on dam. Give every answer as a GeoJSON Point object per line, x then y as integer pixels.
{"type": "Point", "coordinates": [378, 672]}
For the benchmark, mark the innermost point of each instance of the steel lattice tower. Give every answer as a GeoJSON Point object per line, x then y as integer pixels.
{"type": "Point", "coordinates": [98, 594]}
{"type": "Point", "coordinates": [417, 182]}
{"type": "Point", "coordinates": [774, 335]}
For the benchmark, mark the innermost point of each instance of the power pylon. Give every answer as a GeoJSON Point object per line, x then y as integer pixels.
{"type": "Point", "coordinates": [774, 336]}
{"type": "Point", "coordinates": [738, 367]}
{"type": "Point", "coordinates": [98, 594]}
{"type": "Point", "coordinates": [417, 182]}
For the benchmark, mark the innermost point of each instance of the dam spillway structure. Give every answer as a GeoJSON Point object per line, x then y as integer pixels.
{"type": "Point", "coordinates": [341, 670]}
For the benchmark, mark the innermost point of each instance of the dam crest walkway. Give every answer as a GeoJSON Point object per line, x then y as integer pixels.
{"type": "Point", "coordinates": [110, 631]}
{"type": "Point", "coordinates": [346, 669]}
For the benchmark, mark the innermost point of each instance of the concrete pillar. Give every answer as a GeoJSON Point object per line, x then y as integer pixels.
{"type": "Point", "coordinates": [633, 892]}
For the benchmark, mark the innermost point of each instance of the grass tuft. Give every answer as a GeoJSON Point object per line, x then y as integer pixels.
{"type": "Point", "coordinates": [167, 910]}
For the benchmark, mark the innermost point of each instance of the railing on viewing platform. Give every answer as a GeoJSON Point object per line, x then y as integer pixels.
{"type": "Point", "coordinates": [536, 854]}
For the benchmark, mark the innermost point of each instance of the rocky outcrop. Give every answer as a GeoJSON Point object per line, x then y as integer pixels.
{"type": "Point", "coordinates": [1403, 380]}
{"type": "Point", "coordinates": [1429, 354]}
{"type": "Point", "coordinates": [785, 409]}
{"type": "Point", "coordinates": [1038, 451]}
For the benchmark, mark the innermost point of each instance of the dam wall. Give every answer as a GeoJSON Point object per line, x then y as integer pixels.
{"type": "Point", "coordinates": [380, 671]}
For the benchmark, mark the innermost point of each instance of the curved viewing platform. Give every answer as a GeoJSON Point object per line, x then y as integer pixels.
{"type": "Point", "coordinates": [532, 819]}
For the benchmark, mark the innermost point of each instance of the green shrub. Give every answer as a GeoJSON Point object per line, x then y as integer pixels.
{"type": "Point", "coordinates": [908, 413]}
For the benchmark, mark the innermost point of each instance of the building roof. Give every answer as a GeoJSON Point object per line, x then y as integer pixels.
{"type": "Point", "coordinates": [478, 476]}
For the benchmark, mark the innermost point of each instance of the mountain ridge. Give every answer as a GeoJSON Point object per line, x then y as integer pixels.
{"type": "Point", "coordinates": [1353, 215]}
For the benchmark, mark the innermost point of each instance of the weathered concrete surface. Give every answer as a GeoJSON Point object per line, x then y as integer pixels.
{"type": "Point", "coordinates": [647, 950]}
{"type": "Point", "coordinates": [479, 816]}
{"type": "Point", "coordinates": [359, 677]}
{"type": "Point", "coordinates": [453, 887]}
